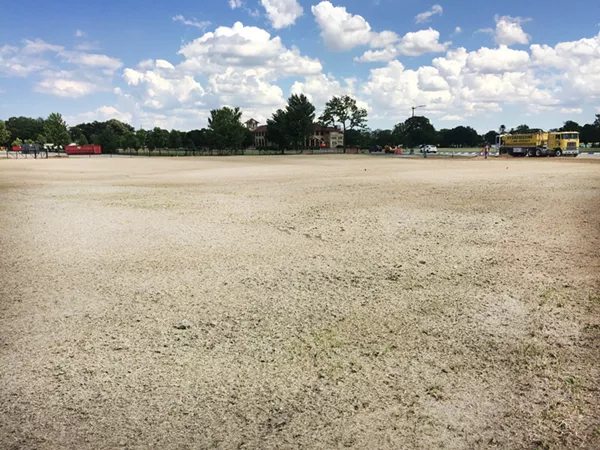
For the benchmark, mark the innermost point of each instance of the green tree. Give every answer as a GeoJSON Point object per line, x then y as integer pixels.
{"type": "Point", "coordinates": [502, 129]}
{"type": "Point", "coordinates": [248, 139]}
{"type": "Point", "coordinates": [226, 129]}
{"type": "Point", "coordinates": [300, 120]}
{"type": "Point", "coordinates": [588, 133]}
{"type": "Point", "coordinates": [76, 134]}
{"type": "Point", "coordinates": [189, 144]}
{"type": "Point", "coordinates": [17, 142]}
{"type": "Point", "coordinates": [55, 130]}
{"type": "Point", "coordinates": [418, 130]}
{"type": "Point", "coordinates": [109, 140]}
{"type": "Point", "coordinates": [129, 140]}
{"type": "Point", "coordinates": [82, 140]}
{"type": "Point", "coordinates": [141, 137]}
{"type": "Point", "coordinates": [90, 130]}
{"type": "Point", "coordinates": [386, 137]}
{"type": "Point", "coordinates": [358, 138]}
{"type": "Point", "coordinates": [158, 139]}
{"type": "Point", "coordinates": [199, 137]}
{"type": "Point", "coordinates": [490, 137]}
{"type": "Point", "coordinates": [175, 139]}
{"type": "Point", "coordinates": [570, 125]}
{"type": "Point", "coordinates": [41, 139]}
{"type": "Point", "coordinates": [523, 129]}
{"type": "Point", "coordinates": [4, 133]}
{"type": "Point", "coordinates": [277, 130]}
{"type": "Point", "coordinates": [444, 138]}
{"type": "Point", "coordinates": [25, 127]}
{"type": "Point", "coordinates": [344, 111]}
{"type": "Point", "coordinates": [463, 137]}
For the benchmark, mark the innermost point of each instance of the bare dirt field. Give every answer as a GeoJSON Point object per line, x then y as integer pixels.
{"type": "Point", "coordinates": [299, 302]}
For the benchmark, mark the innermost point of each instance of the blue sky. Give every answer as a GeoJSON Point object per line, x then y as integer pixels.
{"type": "Point", "coordinates": [476, 63]}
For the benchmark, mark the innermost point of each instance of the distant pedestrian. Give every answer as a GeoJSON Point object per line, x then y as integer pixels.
{"type": "Point", "coordinates": [486, 151]}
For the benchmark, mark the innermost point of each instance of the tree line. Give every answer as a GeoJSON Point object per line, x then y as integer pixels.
{"type": "Point", "coordinates": [225, 131]}
{"type": "Point", "coordinates": [288, 128]}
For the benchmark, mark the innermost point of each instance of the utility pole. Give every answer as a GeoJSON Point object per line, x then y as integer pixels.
{"type": "Point", "coordinates": [416, 107]}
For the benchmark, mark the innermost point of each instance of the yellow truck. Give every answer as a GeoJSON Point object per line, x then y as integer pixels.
{"type": "Point", "coordinates": [539, 143]}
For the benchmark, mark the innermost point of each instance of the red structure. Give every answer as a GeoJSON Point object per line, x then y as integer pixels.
{"type": "Point", "coordinates": [83, 149]}
{"type": "Point", "coordinates": [16, 148]}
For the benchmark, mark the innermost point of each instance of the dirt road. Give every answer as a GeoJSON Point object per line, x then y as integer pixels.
{"type": "Point", "coordinates": [299, 302]}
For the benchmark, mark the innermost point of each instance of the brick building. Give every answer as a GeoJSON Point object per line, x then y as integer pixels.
{"type": "Point", "coordinates": [329, 137]}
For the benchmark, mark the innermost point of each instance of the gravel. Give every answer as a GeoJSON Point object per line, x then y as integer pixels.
{"type": "Point", "coordinates": [299, 302]}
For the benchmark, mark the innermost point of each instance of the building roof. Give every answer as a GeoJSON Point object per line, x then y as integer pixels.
{"type": "Point", "coordinates": [263, 128]}
{"type": "Point", "coordinates": [327, 129]}
{"type": "Point", "coordinates": [251, 121]}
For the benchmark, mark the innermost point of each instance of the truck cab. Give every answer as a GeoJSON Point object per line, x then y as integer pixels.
{"type": "Point", "coordinates": [563, 143]}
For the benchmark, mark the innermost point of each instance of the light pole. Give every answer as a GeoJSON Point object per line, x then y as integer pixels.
{"type": "Point", "coordinates": [415, 107]}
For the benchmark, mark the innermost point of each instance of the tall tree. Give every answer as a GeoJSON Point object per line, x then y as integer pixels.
{"type": "Point", "coordinates": [175, 139]}
{"type": "Point", "coordinates": [41, 139]}
{"type": "Point", "coordinates": [344, 110]}
{"type": "Point", "coordinates": [300, 120]}
{"type": "Point", "coordinates": [418, 130]}
{"type": "Point", "coordinates": [387, 137]}
{"type": "Point", "coordinates": [490, 137]}
{"type": "Point", "coordinates": [524, 129]}
{"type": "Point", "coordinates": [109, 140]}
{"type": "Point", "coordinates": [55, 130]}
{"type": "Point", "coordinates": [157, 138]}
{"type": "Point", "coordinates": [277, 130]}
{"type": "Point", "coordinates": [129, 140]}
{"type": "Point", "coordinates": [358, 138]}
{"type": "Point", "coordinates": [226, 129]}
{"type": "Point", "coordinates": [198, 137]}
{"type": "Point", "coordinates": [463, 137]}
{"type": "Point", "coordinates": [248, 139]}
{"type": "Point", "coordinates": [4, 134]}
{"type": "Point", "coordinates": [588, 133]}
{"type": "Point", "coordinates": [141, 137]}
{"type": "Point", "coordinates": [570, 125]}
{"type": "Point", "coordinates": [76, 134]}
{"type": "Point", "coordinates": [25, 127]}
{"type": "Point", "coordinates": [502, 129]}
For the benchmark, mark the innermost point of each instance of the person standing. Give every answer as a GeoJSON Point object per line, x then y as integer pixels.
{"type": "Point", "coordinates": [486, 150]}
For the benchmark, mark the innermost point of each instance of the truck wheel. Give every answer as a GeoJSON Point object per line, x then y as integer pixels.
{"type": "Point", "coordinates": [531, 153]}
{"type": "Point", "coordinates": [557, 153]}
{"type": "Point", "coordinates": [538, 152]}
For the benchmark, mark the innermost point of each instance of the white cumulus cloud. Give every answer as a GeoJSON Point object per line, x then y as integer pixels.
{"type": "Point", "coordinates": [282, 13]}
{"type": "Point", "coordinates": [245, 47]}
{"type": "Point", "coordinates": [501, 59]}
{"type": "Point", "coordinates": [427, 15]}
{"type": "Point", "coordinates": [341, 30]}
{"type": "Point", "coordinates": [411, 44]}
{"type": "Point", "coordinates": [509, 31]}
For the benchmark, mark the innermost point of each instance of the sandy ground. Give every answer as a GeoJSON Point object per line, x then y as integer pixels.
{"type": "Point", "coordinates": [299, 302]}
